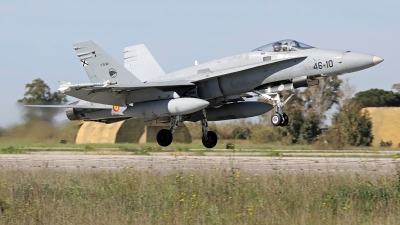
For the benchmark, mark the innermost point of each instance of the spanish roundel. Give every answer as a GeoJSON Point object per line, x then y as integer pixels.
{"type": "Point", "coordinates": [115, 108]}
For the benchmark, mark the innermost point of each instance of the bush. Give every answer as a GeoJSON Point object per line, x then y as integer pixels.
{"type": "Point", "coordinates": [351, 126]}
{"type": "Point", "coordinates": [12, 150]}
{"type": "Point", "coordinates": [241, 133]}
{"type": "Point", "coordinates": [386, 143]}
{"type": "Point", "coordinates": [265, 134]}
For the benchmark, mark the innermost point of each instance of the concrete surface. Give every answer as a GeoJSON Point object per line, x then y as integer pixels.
{"type": "Point", "coordinates": [75, 162]}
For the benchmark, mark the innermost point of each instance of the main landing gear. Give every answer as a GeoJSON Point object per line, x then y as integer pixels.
{"type": "Point", "coordinates": [209, 139]}
{"type": "Point", "coordinates": [279, 118]}
{"type": "Point", "coordinates": [164, 136]}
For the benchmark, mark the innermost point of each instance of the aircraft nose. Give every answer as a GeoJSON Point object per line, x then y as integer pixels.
{"type": "Point", "coordinates": [354, 61]}
{"type": "Point", "coordinates": [377, 60]}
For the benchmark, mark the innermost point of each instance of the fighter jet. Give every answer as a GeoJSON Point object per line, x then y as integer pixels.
{"type": "Point", "coordinates": [211, 91]}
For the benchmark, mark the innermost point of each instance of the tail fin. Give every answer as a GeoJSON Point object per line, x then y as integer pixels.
{"type": "Point", "coordinates": [139, 61]}
{"type": "Point", "coordinates": [100, 66]}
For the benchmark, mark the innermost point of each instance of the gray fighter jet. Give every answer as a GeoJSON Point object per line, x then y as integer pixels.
{"type": "Point", "coordinates": [211, 91]}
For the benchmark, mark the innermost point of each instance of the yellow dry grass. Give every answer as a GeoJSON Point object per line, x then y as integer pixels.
{"type": "Point", "coordinates": [385, 125]}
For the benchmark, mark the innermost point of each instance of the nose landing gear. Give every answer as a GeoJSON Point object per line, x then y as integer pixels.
{"type": "Point", "coordinates": [279, 118]}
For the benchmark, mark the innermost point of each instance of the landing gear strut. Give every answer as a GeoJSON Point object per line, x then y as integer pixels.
{"type": "Point", "coordinates": [279, 118]}
{"type": "Point", "coordinates": [209, 138]}
{"type": "Point", "coordinates": [164, 136]}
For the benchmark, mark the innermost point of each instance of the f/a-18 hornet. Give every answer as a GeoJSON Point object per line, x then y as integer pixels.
{"type": "Point", "coordinates": [210, 91]}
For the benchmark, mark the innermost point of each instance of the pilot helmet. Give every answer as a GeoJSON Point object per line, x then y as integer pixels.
{"type": "Point", "coordinates": [284, 46]}
{"type": "Point", "coordinates": [276, 46]}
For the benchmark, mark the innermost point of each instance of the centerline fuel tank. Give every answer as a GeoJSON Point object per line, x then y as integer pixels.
{"type": "Point", "coordinates": [169, 107]}
{"type": "Point", "coordinates": [232, 111]}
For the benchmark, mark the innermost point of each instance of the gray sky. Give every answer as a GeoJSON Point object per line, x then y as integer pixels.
{"type": "Point", "coordinates": [36, 36]}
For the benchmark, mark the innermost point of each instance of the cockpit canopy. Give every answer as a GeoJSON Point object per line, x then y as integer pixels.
{"type": "Point", "coordinates": [283, 46]}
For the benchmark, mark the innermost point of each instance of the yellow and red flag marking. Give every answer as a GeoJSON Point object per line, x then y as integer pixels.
{"type": "Point", "coordinates": [116, 108]}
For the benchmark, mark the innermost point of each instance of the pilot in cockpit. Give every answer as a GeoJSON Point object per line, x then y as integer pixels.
{"type": "Point", "coordinates": [277, 47]}
{"type": "Point", "coordinates": [284, 46]}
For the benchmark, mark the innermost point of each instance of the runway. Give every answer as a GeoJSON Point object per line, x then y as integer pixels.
{"type": "Point", "coordinates": [256, 165]}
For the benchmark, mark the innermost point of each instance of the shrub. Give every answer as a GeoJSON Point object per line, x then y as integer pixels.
{"type": "Point", "coordinates": [241, 133]}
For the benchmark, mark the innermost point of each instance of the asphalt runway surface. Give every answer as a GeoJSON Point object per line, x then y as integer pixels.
{"type": "Point", "coordinates": [86, 163]}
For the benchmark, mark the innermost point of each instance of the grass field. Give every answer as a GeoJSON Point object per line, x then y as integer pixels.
{"type": "Point", "coordinates": [130, 196]}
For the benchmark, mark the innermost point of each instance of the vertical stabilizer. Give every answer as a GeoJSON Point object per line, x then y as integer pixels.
{"type": "Point", "coordinates": [100, 66]}
{"type": "Point", "coordinates": [139, 61]}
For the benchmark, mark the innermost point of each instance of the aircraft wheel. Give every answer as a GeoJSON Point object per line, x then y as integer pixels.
{"type": "Point", "coordinates": [164, 137]}
{"type": "Point", "coordinates": [285, 120]}
{"type": "Point", "coordinates": [212, 140]}
{"type": "Point", "coordinates": [276, 119]}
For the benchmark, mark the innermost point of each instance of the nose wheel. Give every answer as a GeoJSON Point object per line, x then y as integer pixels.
{"type": "Point", "coordinates": [276, 119]}
{"type": "Point", "coordinates": [279, 118]}
{"type": "Point", "coordinates": [285, 120]}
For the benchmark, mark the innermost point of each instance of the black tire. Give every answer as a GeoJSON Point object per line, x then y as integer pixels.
{"type": "Point", "coordinates": [276, 119]}
{"type": "Point", "coordinates": [212, 140]}
{"type": "Point", "coordinates": [164, 137]}
{"type": "Point", "coordinates": [285, 120]}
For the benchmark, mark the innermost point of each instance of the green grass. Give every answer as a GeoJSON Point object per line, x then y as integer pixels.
{"type": "Point", "coordinates": [239, 145]}
{"type": "Point", "coordinates": [218, 196]}
{"type": "Point", "coordinates": [11, 150]}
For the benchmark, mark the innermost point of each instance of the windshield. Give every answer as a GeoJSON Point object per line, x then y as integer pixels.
{"type": "Point", "coordinates": [283, 46]}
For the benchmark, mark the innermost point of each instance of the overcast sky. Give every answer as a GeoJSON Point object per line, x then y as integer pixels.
{"type": "Point", "coordinates": [36, 37]}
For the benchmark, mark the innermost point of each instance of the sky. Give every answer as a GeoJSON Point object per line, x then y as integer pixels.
{"type": "Point", "coordinates": [36, 37]}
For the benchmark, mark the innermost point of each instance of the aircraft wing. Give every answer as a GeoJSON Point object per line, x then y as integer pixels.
{"type": "Point", "coordinates": [71, 106]}
{"type": "Point", "coordinates": [211, 74]}
{"type": "Point", "coordinates": [132, 87]}
{"type": "Point", "coordinates": [76, 105]}
{"type": "Point", "coordinates": [124, 87]}
{"type": "Point", "coordinates": [116, 94]}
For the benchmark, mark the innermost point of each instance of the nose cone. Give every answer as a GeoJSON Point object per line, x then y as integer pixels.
{"type": "Point", "coordinates": [354, 61]}
{"type": "Point", "coordinates": [377, 60]}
